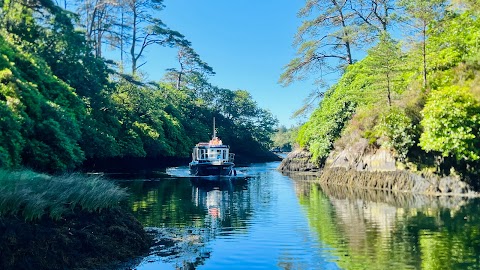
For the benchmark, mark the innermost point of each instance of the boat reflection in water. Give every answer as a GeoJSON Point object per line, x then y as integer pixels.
{"type": "Point", "coordinates": [186, 217]}
{"type": "Point", "coordinates": [225, 202]}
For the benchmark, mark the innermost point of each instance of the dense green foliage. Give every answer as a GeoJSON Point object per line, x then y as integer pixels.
{"type": "Point", "coordinates": [40, 113]}
{"type": "Point", "coordinates": [32, 195]}
{"type": "Point", "coordinates": [338, 105]}
{"type": "Point", "coordinates": [421, 102]}
{"type": "Point", "coordinates": [284, 139]}
{"type": "Point", "coordinates": [451, 121]}
{"type": "Point", "coordinates": [61, 103]}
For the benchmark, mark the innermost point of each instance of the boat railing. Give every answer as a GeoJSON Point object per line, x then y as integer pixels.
{"type": "Point", "coordinates": [231, 157]}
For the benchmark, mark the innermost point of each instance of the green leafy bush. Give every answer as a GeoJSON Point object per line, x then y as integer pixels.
{"type": "Point", "coordinates": [337, 107]}
{"type": "Point", "coordinates": [41, 115]}
{"type": "Point", "coordinates": [451, 123]}
{"type": "Point", "coordinates": [398, 131]}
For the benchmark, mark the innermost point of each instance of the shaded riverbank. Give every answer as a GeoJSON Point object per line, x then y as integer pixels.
{"type": "Point", "coordinates": [79, 240]}
{"type": "Point", "coordinates": [136, 164]}
{"type": "Point", "coordinates": [65, 222]}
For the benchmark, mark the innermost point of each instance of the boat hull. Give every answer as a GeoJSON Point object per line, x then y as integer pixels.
{"type": "Point", "coordinates": [208, 169]}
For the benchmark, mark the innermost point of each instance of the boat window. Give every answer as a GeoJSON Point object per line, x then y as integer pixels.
{"type": "Point", "coordinates": [202, 154]}
{"type": "Point", "coordinates": [224, 154]}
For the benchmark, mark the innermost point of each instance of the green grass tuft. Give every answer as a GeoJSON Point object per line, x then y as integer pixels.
{"type": "Point", "coordinates": [32, 195]}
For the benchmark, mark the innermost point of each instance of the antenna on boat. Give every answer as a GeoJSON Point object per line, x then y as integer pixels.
{"type": "Point", "coordinates": [214, 131]}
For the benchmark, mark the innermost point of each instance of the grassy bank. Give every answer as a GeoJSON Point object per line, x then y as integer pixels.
{"type": "Point", "coordinates": [65, 222]}
{"type": "Point", "coordinates": [31, 195]}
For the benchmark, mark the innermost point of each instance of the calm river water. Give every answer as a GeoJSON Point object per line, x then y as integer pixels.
{"type": "Point", "coordinates": [275, 221]}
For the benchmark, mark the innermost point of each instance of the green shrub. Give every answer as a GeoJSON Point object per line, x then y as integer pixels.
{"type": "Point", "coordinates": [337, 107]}
{"type": "Point", "coordinates": [398, 131]}
{"type": "Point", "coordinates": [451, 123]}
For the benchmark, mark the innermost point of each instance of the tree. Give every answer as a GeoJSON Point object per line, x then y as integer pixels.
{"type": "Point", "coordinates": [284, 138]}
{"type": "Point", "coordinates": [147, 30]}
{"type": "Point", "coordinates": [451, 124]}
{"type": "Point", "coordinates": [377, 15]}
{"type": "Point", "coordinates": [419, 14]}
{"type": "Point", "coordinates": [384, 64]}
{"type": "Point", "coordinates": [190, 62]}
{"type": "Point", "coordinates": [327, 37]}
{"type": "Point", "coordinates": [98, 18]}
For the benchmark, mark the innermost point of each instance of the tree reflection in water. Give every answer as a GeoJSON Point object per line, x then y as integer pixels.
{"type": "Point", "coordinates": [371, 229]}
{"type": "Point", "coordinates": [188, 214]}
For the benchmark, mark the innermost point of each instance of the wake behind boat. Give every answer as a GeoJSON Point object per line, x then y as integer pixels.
{"type": "Point", "coordinates": [212, 158]}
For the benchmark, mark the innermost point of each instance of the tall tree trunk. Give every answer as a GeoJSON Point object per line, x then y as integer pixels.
{"type": "Point", "coordinates": [345, 34]}
{"type": "Point", "coordinates": [134, 38]}
{"type": "Point", "coordinates": [179, 79]}
{"type": "Point", "coordinates": [122, 26]}
{"type": "Point", "coordinates": [424, 53]}
{"type": "Point", "coordinates": [389, 97]}
{"type": "Point", "coordinates": [384, 22]}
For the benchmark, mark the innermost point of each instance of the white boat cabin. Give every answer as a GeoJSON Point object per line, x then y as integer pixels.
{"type": "Point", "coordinates": [214, 152]}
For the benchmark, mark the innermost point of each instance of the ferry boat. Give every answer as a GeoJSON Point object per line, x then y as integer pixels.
{"type": "Point", "coordinates": [212, 158]}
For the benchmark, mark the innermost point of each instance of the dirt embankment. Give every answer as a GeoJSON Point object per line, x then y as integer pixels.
{"type": "Point", "coordinates": [80, 240]}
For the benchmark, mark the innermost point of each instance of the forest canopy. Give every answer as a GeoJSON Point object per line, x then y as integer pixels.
{"type": "Point", "coordinates": [62, 102]}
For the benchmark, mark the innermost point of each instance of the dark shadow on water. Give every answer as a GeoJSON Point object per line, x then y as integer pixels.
{"type": "Point", "coordinates": [207, 184]}
{"type": "Point", "coordinates": [138, 175]}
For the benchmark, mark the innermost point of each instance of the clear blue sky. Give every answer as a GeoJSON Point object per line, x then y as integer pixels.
{"type": "Point", "coordinates": [246, 42]}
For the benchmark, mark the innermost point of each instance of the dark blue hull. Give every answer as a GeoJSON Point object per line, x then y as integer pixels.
{"type": "Point", "coordinates": [208, 169]}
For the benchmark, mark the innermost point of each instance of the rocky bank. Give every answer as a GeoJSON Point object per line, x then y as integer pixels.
{"type": "Point", "coordinates": [360, 167]}
{"type": "Point", "coordinates": [299, 160]}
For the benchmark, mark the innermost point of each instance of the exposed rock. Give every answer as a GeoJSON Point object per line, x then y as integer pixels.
{"type": "Point", "coordinates": [402, 181]}
{"type": "Point", "coordinates": [359, 157]}
{"type": "Point", "coordinates": [360, 166]}
{"type": "Point", "coordinates": [394, 198]}
{"type": "Point", "coordinates": [298, 160]}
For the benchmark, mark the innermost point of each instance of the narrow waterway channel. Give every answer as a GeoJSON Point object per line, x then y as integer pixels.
{"type": "Point", "coordinates": [275, 221]}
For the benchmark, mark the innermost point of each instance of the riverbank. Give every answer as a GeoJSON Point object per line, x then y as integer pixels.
{"type": "Point", "coordinates": [376, 170]}
{"type": "Point", "coordinates": [79, 240]}
{"type": "Point", "coordinates": [400, 181]}
{"type": "Point", "coordinates": [298, 160]}
{"type": "Point", "coordinates": [65, 222]}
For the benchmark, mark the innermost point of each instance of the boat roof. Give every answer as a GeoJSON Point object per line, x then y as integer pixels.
{"type": "Point", "coordinates": [215, 142]}
{"type": "Point", "coordinates": [207, 145]}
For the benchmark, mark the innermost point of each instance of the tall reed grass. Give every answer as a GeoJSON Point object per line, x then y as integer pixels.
{"type": "Point", "coordinates": [32, 195]}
